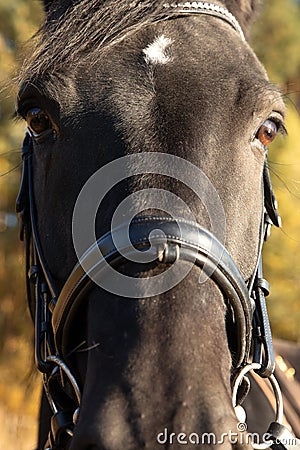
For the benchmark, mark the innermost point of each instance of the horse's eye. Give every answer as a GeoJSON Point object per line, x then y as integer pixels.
{"type": "Point", "coordinates": [38, 121]}
{"type": "Point", "coordinates": [267, 132]}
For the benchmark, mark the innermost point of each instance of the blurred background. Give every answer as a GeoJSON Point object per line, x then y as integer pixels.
{"type": "Point", "coordinates": [276, 40]}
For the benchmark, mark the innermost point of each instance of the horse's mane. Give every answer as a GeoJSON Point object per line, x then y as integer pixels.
{"type": "Point", "coordinates": [89, 26]}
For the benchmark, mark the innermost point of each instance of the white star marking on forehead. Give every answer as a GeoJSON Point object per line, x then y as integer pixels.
{"type": "Point", "coordinates": [157, 52]}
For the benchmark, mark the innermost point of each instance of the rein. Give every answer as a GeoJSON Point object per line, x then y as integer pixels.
{"type": "Point", "coordinates": [53, 311]}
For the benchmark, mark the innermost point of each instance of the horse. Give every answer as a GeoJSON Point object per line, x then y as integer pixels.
{"type": "Point", "coordinates": [145, 200]}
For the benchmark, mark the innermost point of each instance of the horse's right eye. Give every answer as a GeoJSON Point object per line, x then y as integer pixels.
{"type": "Point", "coordinates": [38, 121]}
{"type": "Point", "coordinates": [267, 132]}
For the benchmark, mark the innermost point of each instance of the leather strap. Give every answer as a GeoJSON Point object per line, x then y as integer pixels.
{"type": "Point", "coordinates": [270, 200]}
{"type": "Point", "coordinates": [196, 244]}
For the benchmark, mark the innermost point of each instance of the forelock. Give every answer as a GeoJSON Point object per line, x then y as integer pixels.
{"type": "Point", "coordinates": [89, 27]}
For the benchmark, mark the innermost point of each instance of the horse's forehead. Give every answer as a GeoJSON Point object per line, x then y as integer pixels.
{"type": "Point", "coordinates": [163, 59]}
{"type": "Point", "coordinates": [166, 65]}
{"type": "Point", "coordinates": [158, 51]}
{"type": "Point", "coordinates": [138, 67]}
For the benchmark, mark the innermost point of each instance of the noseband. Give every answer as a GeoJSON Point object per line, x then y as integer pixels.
{"type": "Point", "coordinates": [55, 311]}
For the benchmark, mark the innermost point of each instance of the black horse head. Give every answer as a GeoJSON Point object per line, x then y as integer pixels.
{"type": "Point", "coordinates": [174, 95]}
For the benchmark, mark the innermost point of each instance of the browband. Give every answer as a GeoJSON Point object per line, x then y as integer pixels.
{"type": "Point", "coordinates": [209, 9]}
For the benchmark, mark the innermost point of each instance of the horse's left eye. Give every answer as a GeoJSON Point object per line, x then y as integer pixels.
{"type": "Point", "coordinates": [267, 132]}
{"type": "Point", "coordinates": [38, 121]}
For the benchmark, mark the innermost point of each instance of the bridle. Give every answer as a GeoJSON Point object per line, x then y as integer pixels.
{"type": "Point", "coordinates": [54, 311]}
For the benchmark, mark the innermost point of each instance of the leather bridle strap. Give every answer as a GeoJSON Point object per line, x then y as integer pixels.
{"type": "Point", "coordinates": [210, 9]}
{"type": "Point", "coordinates": [193, 244]}
{"type": "Point", "coordinates": [39, 283]}
{"type": "Point", "coordinates": [177, 239]}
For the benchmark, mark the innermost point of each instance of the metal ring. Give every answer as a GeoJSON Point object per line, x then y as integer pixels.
{"type": "Point", "coordinates": [239, 378]}
{"type": "Point", "coordinates": [58, 362]}
{"type": "Point", "coordinates": [49, 396]}
{"type": "Point", "coordinates": [277, 394]}
{"type": "Point", "coordinates": [66, 370]}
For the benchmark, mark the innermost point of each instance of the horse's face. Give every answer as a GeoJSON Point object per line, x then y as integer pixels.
{"type": "Point", "coordinates": [188, 87]}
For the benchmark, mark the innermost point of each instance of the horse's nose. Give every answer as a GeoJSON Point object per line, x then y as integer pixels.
{"type": "Point", "coordinates": [90, 435]}
{"type": "Point", "coordinates": [104, 431]}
